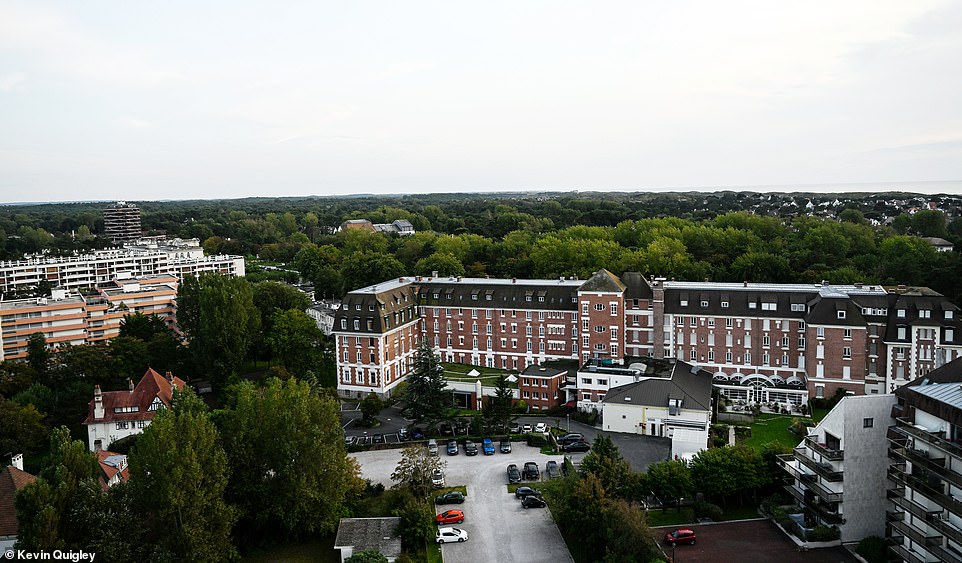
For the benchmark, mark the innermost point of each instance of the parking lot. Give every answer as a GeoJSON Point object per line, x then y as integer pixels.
{"type": "Point", "coordinates": [499, 530]}
{"type": "Point", "coordinates": [749, 540]}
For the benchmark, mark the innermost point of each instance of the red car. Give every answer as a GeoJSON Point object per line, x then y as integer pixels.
{"type": "Point", "coordinates": [450, 517]}
{"type": "Point", "coordinates": [681, 535]}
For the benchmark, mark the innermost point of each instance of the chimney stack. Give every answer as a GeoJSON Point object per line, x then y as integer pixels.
{"type": "Point", "coordinates": [130, 385]}
{"type": "Point", "coordinates": [98, 403]}
{"type": "Point", "coordinates": [17, 461]}
{"type": "Point", "coordinates": [169, 377]}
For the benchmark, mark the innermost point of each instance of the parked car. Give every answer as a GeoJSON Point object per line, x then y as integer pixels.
{"type": "Point", "coordinates": [533, 501]}
{"type": "Point", "coordinates": [437, 479]}
{"type": "Point", "coordinates": [531, 471]}
{"type": "Point", "coordinates": [526, 428]}
{"type": "Point", "coordinates": [454, 497]}
{"type": "Point", "coordinates": [432, 447]}
{"type": "Point", "coordinates": [571, 438]}
{"type": "Point", "coordinates": [487, 446]}
{"type": "Point", "coordinates": [453, 447]}
{"type": "Point", "coordinates": [551, 469]}
{"type": "Point", "coordinates": [577, 447]}
{"type": "Point", "coordinates": [541, 427]}
{"type": "Point", "coordinates": [523, 492]}
{"type": "Point", "coordinates": [349, 440]}
{"type": "Point", "coordinates": [514, 428]}
{"type": "Point", "coordinates": [505, 446]}
{"type": "Point", "coordinates": [378, 439]}
{"type": "Point", "coordinates": [417, 434]}
{"type": "Point", "coordinates": [402, 434]}
{"type": "Point", "coordinates": [470, 448]}
{"type": "Point", "coordinates": [446, 535]}
{"type": "Point", "coordinates": [681, 535]}
{"type": "Point", "coordinates": [514, 476]}
{"type": "Point", "coordinates": [453, 516]}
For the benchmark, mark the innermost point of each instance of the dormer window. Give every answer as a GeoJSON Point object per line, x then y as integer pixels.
{"type": "Point", "coordinates": [704, 303]}
{"type": "Point", "coordinates": [949, 315]}
{"type": "Point", "coordinates": [900, 313]}
{"type": "Point", "coordinates": [724, 304]}
{"type": "Point", "coordinates": [841, 314]}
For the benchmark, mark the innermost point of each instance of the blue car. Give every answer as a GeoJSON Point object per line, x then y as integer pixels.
{"type": "Point", "coordinates": [487, 446]}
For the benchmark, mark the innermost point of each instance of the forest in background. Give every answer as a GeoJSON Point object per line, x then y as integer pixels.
{"type": "Point", "coordinates": [723, 236]}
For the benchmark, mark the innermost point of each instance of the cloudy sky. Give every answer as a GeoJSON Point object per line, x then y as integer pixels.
{"type": "Point", "coordinates": [175, 100]}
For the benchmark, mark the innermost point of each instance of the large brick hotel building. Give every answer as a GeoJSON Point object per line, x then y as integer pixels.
{"type": "Point", "coordinates": [864, 338]}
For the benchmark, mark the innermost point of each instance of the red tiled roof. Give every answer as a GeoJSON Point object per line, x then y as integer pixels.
{"type": "Point", "coordinates": [11, 481]}
{"type": "Point", "coordinates": [108, 471]}
{"type": "Point", "coordinates": [152, 385]}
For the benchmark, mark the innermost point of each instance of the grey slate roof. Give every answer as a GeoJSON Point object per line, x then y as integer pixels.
{"type": "Point", "coordinates": [694, 389]}
{"type": "Point", "coordinates": [603, 281]}
{"type": "Point", "coordinates": [370, 533]}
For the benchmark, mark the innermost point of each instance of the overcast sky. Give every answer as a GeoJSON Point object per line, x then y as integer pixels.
{"type": "Point", "coordinates": [177, 100]}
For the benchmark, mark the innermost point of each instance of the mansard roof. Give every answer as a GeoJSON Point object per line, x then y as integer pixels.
{"type": "Point", "coordinates": [603, 281]}
{"type": "Point", "coordinates": [687, 382]}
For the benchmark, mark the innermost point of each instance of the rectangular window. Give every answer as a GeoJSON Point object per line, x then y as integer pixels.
{"type": "Point", "coordinates": [728, 357]}
{"type": "Point", "coordinates": [820, 332]}
{"type": "Point", "coordinates": [847, 334]}
{"type": "Point", "coordinates": [711, 322]}
{"type": "Point", "coordinates": [614, 309]}
{"type": "Point", "coordinates": [724, 304]}
{"type": "Point", "coordinates": [693, 355]}
{"type": "Point", "coordinates": [711, 355]}
{"type": "Point", "coordinates": [867, 422]}
{"type": "Point", "coordinates": [847, 352]}
{"type": "Point", "coordinates": [729, 322]}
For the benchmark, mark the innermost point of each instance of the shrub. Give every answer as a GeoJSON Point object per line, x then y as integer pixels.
{"type": "Point", "coordinates": [770, 505]}
{"type": "Point", "coordinates": [823, 533]}
{"type": "Point", "coordinates": [873, 549]}
{"type": "Point", "coordinates": [705, 509]}
{"type": "Point", "coordinates": [537, 440]}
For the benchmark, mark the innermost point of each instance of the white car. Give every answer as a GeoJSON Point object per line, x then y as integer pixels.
{"type": "Point", "coordinates": [437, 479]}
{"type": "Point", "coordinates": [526, 428]}
{"type": "Point", "coordinates": [541, 427]}
{"type": "Point", "coordinates": [446, 535]}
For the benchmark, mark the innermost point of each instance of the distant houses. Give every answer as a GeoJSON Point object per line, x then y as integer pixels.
{"type": "Point", "coordinates": [397, 227]}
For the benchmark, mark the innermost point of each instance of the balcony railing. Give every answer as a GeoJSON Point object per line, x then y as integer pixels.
{"type": "Point", "coordinates": [906, 555]}
{"type": "Point", "coordinates": [822, 468]}
{"type": "Point", "coordinates": [935, 494]}
{"type": "Point", "coordinates": [927, 539]}
{"type": "Point", "coordinates": [825, 513]}
{"type": "Point", "coordinates": [945, 527]}
{"type": "Point", "coordinates": [823, 449]}
{"type": "Point", "coordinates": [937, 439]}
{"type": "Point", "coordinates": [915, 509]}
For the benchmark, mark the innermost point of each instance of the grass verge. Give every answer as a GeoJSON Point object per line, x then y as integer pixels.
{"type": "Point", "coordinates": [769, 428]}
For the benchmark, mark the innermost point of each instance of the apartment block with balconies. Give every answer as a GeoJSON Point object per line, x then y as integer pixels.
{"type": "Point", "coordinates": [925, 471]}
{"type": "Point", "coordinates": [836, 473]}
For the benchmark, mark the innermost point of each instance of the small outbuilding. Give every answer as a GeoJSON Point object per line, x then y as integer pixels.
{"type": "Point", "coordinates": [365, 534]}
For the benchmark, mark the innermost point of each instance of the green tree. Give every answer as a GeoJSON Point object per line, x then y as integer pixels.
{"type": "Point", "coordinates": [143, 327]}
{"type": "Point", "coordinates": [722, 473]}
{"type": "Point", "coordinates": [442, 263]}
{"type": "Point", "coordinates": [226, 323]}
{"type": "Point", "coordinates": [38, 356]}
{"type": "Point", "coordinates": [44, 506]}
{"type": "Point", "coordinates": [271, 297]}
{"type": "Point", "coordinates": [669, 480]}
{"type": "Point", "coordinates": [366, 268]}
{"type": "Point", "coordinates": [929, 223]}
{"type": "Point", "coordinates": [178, 475]}
{"type": "Point", "coordinates": [627, 536]}
{"type": "Point", "coordinates": [498, 407]}
{"type": "Point", "coordinates": [427, 400]}
{"type": "Point", "coordinates": [295, 341]}
{"type": "Point", "coordinates": [289, 469]}
{"type": "Point", "coordinates": [606, 463]}
{"type": "Point", "coordinates": [416, 523]}
{"type": "Point", "coordinates": [21, 427]}
{"type": "Point", "coordinates": [371, 406]}
{"type": "Point", "coordinates": [415, 469]}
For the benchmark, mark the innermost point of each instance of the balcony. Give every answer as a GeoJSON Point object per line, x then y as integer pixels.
{"type": "Point", "coordinates": [824, 469]}
{"type": "Point", "coordinates": [945, 527]}
{"type": "Point", "coordinates": [937, 439]}
{"type": "Point", "coordinates": [932, 491]}
{"type": "Point", "coordinates": [823, 449]}
{"type": "Point", "coordinates": [906, 555]}
{"type": "Point", "coordinates": [927, 539]}
{"type": "Point", "coordinates": [827, 514]}
{"type": "Point", "coordinates": [915, 509]}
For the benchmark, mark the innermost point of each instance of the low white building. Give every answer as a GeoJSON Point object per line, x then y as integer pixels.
{"type": "Point", "coordinates": [113, 415]}
{"type": "Point", "coordinates": [671, 402]}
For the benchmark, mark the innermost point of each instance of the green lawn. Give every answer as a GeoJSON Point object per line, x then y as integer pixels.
{"type": "Point", "coordinates": [489, 376]}
{"type": "Point", "coordinates": [320, 550]}
{"type": "Point", "coordinates": [769, 428]}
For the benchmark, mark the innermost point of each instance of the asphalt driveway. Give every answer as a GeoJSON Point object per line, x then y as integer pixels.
{"type": "Point", "coordinates": [499, 530]}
